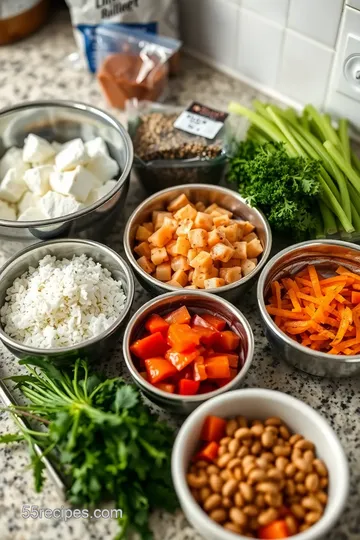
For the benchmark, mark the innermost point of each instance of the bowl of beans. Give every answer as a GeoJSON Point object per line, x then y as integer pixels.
{"type": "Point", "coordinates": [183, 348]}
{"type": "Point", "coordinates": [262, 464]}
{"type": "Point", "coordinates": [197, 237]}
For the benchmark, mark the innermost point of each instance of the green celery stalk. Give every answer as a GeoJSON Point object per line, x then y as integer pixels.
{"type": "Point", "coordinates": [261, 109]}
{"type": "Point", "coordinates": [354, 195]}
{"type": "Point", "coordinates": [322, 124]}
{"type": "Point", "coordinates": [328, 218]}
{"type": "Point", "coordinates": [335, 206]}
{"type": "Point", "coordinates": [346, 167]}
{"type": "Point", "coordinates": [355, 218]}
{"type": "Point", "coordinates": [268, 127]}
{"type": "Point", "coordinates": [355, 162]}
{"type": "Point", "coordinates": [282, 125]}
{"type": "Point", "coordinates": [344, 138]}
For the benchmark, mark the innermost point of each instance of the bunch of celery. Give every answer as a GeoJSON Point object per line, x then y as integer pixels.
{"type": "Point", "coordinates": [312, 136]}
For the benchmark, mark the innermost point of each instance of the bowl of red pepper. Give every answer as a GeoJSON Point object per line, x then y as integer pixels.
{"type": "Point", "coordinates": [183, 348]}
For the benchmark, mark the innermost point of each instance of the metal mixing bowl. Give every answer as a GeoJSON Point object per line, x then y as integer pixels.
{"type": "Point", "coordinates": [326, 255]}
{"type": "Point", "coordinates": [207, 194]}
{"type": "Point", "coordinates": [198, 302]}
{"type": "Point", "coordinates": [62, 121]}
{"type": "Point", "coordinates": [94, 348]}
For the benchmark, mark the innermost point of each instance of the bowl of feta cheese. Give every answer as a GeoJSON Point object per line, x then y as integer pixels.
{"type": "Point", "coordinates": [64, 171]}
{"type": "Point", "coordinates": [63, 299]}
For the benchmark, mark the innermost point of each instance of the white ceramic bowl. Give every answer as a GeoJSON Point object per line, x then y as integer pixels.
{"type": "Point", "coordinates": [261, 404]}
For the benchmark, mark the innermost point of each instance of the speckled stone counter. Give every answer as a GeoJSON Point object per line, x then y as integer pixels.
{"type": "Point", "coordinates": [37, 69]}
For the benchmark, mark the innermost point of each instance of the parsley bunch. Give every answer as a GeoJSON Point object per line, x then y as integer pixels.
{"type": "Point", "coordinates": [101, 435]}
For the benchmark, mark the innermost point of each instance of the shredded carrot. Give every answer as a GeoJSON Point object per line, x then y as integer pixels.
{"type": "Point", "coordinates": [314, 278]}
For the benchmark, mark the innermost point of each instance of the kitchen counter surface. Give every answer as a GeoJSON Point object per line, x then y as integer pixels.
{"type": "Point", "coordinates": [37, 68]}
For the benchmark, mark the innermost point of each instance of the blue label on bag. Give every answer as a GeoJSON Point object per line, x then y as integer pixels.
{"type": "Point", "coordinates": [88, 32]}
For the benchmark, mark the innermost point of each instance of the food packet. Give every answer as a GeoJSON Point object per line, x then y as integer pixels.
{"type": "Point", "coordinates": [132, 63]}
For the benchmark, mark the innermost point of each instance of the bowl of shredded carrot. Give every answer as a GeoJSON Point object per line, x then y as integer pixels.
{"type": "Point", "coordinates": [309, 300]}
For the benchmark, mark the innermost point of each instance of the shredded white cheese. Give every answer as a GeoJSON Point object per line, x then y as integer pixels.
{"type": "Point", "coordinates": [61, 303]}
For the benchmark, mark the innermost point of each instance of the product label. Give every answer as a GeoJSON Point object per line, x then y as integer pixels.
{"type": "Point", "coordinates": [12, 8]}
{"type": "Point", "coordinates": [201, 120]}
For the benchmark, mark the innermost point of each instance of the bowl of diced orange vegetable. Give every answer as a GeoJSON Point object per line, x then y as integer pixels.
{"type": "Point", "coordinates": [309, 300]}
{"type": "Point", "coordinates": [197, 237]}
{"type": "Point", "coordinates": [184, 347]}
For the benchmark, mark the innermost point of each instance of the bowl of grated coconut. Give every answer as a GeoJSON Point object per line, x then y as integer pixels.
{"type": "Point", "coordinates": [63, 299]}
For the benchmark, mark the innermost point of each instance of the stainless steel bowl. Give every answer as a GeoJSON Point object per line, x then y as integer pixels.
{"type": "Point", "coordinates": [62, 121]}
{"type": "Point", "coordinates": [94, 348]}
{"type": "Point", "coordinates": [207, 194]}
{"type": "Point", "coordinates": [199, 302]}
{"type": "Point", "coordinates": [326, 255]}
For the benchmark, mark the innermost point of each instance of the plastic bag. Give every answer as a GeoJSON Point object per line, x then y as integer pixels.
{"type": "Point", "coordinates": [132, 63]}
{"type": "Point", "coordinates": [153, 16]}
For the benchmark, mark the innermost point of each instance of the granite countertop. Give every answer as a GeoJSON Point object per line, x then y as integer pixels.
{"type": "Point", "coordinates": [37, 68]}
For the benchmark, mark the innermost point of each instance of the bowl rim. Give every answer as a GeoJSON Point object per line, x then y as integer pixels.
{"type": "Point", "coordinates": [183, 491]}
{"type": "Point", "coordinates": [351, 359]}
{"type": "Point", "coordinates": [177, 397]}
{"type": "Point", "coordinates": [36, 351]}
{"type": "Point", "coordinates": [225, 191]}
{"type": "Point", "coordinates": [95, 112]}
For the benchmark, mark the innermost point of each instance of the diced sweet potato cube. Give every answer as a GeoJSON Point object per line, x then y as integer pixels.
{"type": "Point", "coordinates": [221, 210]}
{"type": "Point", "coordinates": [142, 234]}
{"type": "Point", "coordinates": [186, 212]}
{"type": "Point", "coordinates": [254, 248]}
{"type": "Point", "coordinates": [190, 275]}
{"type": "Point", "coordinates": [231, 232]}
{"type": "Point", "coordinates": [214, 237]}
{"type": "Point", "coordinates": [222, 219]}
{"type": "Point", "coordinates": [198, 238]}
{"type": "Point", "coordinates": [230, 264]}
{"type": "Point", "coordinates": [214, 283]}
{"type": "Point", "coordinates": [198, 278]}
{"type": "Point", "coordinates": [163, 272]}
{"type": "Point", "coordinates": [170, 223]}
{"type": "Point", "coordinates": [149, 226]}
{"type": "Point", "coordinates": [180, 277]}
{"type": "Point", "coordinates": [240, 250]}
{"type": "Point", "coordinates": [192, 253]}
{"type": "Point", "coordinates": [247, 267]}
{"type": "Point", "coordinates": [182, 246]}
{"type": "Point", "coordinates": [203, 221]}
{"type": "Point", "coordinates": [230, 275]}
{"type": "Point", "coordinates": [213, 272]}
{"type": "Point", "coordinates": [180, 263]}
{"type": "Point", "coordinates": [159, 255]}
{"type": "Point", "coordinates": [158, 218]}
{"type": "Point", "coordinates": [211, 208]}
{"type": "Point", "coordinates": [184, 227]}
{"type": "Point", "coordinates": [190, 287]}
{"type": "Point", "coordinates": [171, 248]}
{"type": "Point", "coordinates": [178, 203]}
{"type": "Point", "coordinates": [247, 227]}
{"type": "Point", "coordinates": [161, 237]}
{"type": "Point", "coordinates": [174, 283]}
{"type": "Point", "coordinates": [221, 252]}
{"type": "Point", "coordinates": [249, 237]}
{"type": "Point", "coordinates": [254, 260]}
{"type": "Point", "coordinates": [200, 206]}
{"type": "Point", "coordinates": [143, 249]}
{"type": "Point", "coordinates": [202, 260]}
{"type": "Point", "coordinates": [146, 265]}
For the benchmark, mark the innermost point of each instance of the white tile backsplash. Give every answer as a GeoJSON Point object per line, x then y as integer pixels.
{"type": "Point", "coordinates": [258, 47]}
{"type": "Point", "coordinates": [273, 10]}
{"type": "Point", "coordinates": [317, 19]}
{"type": "Point", "coordinates": [305, 69]}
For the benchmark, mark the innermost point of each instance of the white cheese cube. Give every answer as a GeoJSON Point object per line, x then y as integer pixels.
{"type": "Point", "coordinates": [54, 205]}
{"type": "Point", "coordinates": [37, 179]}
{"type": "Point", "coordinates": [37, 150]}
{"type": "Point", "coordinates": [13, 186]}
{"type": "Point", "coordinates": [96, 147]}
{"type": "Point", "coordinates": [33, 213]}
{"type": "Point", "coordinates": [72, 155]}
{"type": "Point", "coordinates": [77, 183]}
{"type": "Point", "coordinates": [28, 200]}
{"type": "Point", "coordinates": [57, 146]}
{"type": "Point", "coordinates": [100, 192]}
{"type": "Point", "coordinates": [10, 159]}
{"type": "Point", "coordinates": [103, 167]}
{"type": "Point", "coordinates": [7, 211]}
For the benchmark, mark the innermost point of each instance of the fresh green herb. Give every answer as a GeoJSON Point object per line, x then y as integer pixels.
{"type": "Point", "coordinates": [101, 435]}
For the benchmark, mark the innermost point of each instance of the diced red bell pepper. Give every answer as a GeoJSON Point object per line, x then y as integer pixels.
{"type": "Point", "coordinates": [233, 358]}
{"type": "Point", "coordinates": [199, 372]}
{"type": "Point", "coordinates": [166, 387]}
{"type": "Point", "coordinates": [206, 387]}
{"type": "Point", "coordinates": [209, 453]}
{"type": "Point", "coordinates": [223, 382]}
{"type": "Point", "coordinates": [275, 529]}
{"type": "Point", "coordinates": [227, 341]}
{"type": "Point", "coordinates": [182, 338]}
{"type": "Point", "coordinates": [187, 387]}
{"type": "Point", "coordinates": [207, 335]}
{"type": "Point", "coordinates": [143, 375]}
{"type": "Point", "coordinates": [155, 323]}
{"type": "Point", "coordinates": [355, 297]}
{"type": "Point", "coordinates": [217, 367]}
{"type": "Point", "coordinates": [179, 316]}
{"type": "Point", "coordinates": [181, 360]}
{"type": "Point", "coordinates": [158, 369]}
{"type": "Point", "coordinates": [213, 429]}
{"type": "Point", "coordinates": [150, 346]}
{"type": "Point", "coordinates": [215, 322]}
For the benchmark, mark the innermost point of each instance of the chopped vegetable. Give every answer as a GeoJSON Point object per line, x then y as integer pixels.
{"type": "Point", "coordinates": [155, 323]}
{"type": "Point", "coordinates": [153, 345]}
{"type": "Point", "coordinates": [209, 452]}
{"type": "Point", "coordinates": [276, 529]}
{"type": "Point", "coordinates": [179, 316]}
{"type": "Point", "coordinates": [158, 369]}
{"type": "Point", "coordinates": [213, 429]}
